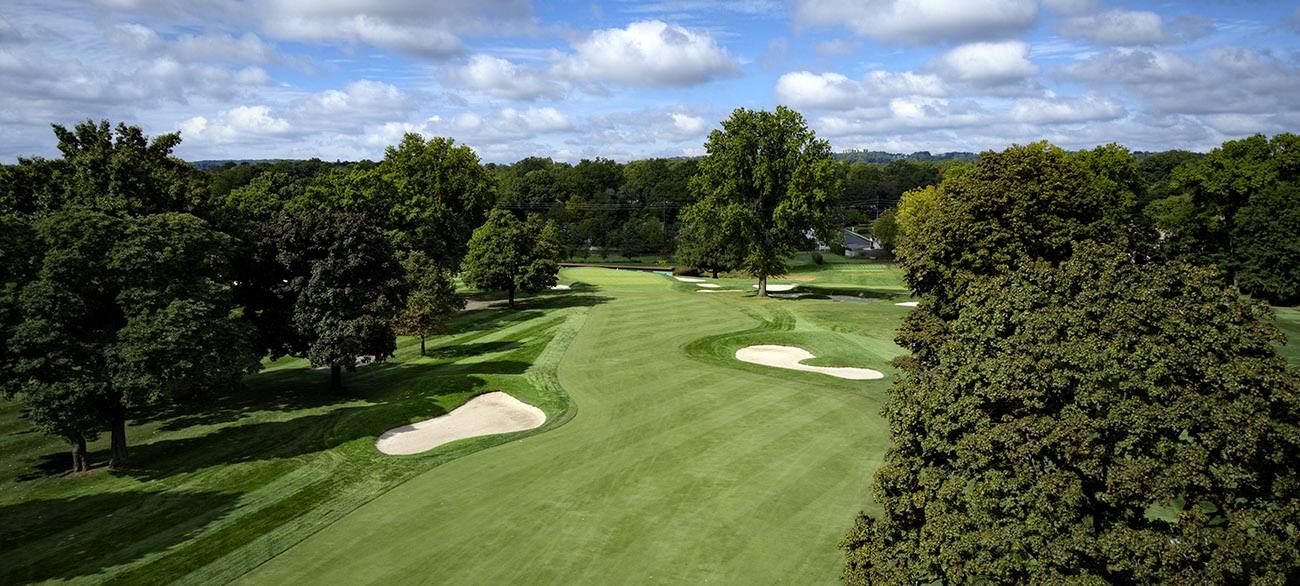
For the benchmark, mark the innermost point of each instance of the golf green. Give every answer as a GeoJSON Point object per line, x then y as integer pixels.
{"type": "Point", "coordinates": [680, 466]}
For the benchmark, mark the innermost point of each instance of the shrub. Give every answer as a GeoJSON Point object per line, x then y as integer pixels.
{"type": "Point", "coordinates": [686, 272]}
{"type": "Point", "coordinates": [817, 257]}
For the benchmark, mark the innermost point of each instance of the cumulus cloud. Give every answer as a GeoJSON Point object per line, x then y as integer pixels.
{"type": "Point", "coordinates": [1116, 27]}
{"type": "Point", "coordinates": [986, 64]}
{"type": "Point", "coordinates": [239, 124]}
{"type": "Point", "coordinates": [422, 29]}
{"type": "Point", "coordinates": [834, 91]}
{"type": "Point", "coordinates": [503, 79]}
{"type": "Point", "coordinates": [1223, 80]}
{"type": "Point", "coordinates": [144, 42]}
{"type": "Point", "coordinates": [503, 125]}
{"type": "Point", "coordinates": [1066, 110]}
{"type": "Point", "coordinates": [650, 54]}
{"type": "Point", "coordinates": [358, 102]}
{"type": "Point", "coordinates": [922, 22]}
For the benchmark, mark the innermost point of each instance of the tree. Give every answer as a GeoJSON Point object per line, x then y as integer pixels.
{"type": "Point", "coordinates": [1096, 422]}
{"type": "Point", "coordinates": [1268, 253]}
{"type": "Point", "coordinates": [766, 183]}
{"type": "Point", "coordinates": [431, 298]}
{"type": "Point", "coordinates": [508, 255]}
{"type": "Point", "coordinates": [123, 313]}
{"type": "Point", "coordinates": [1033, 201]}
{"type": "Point", "coordinates": [885, 230]}
{"type": "Point", "coordinates": [330, 288]}
{"type": "Point", "coordinates": [1200, 220]}
{"type": "Point", "coordinates": [425, 195]}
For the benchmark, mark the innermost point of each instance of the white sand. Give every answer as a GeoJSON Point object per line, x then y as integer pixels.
{"type": "Point", "coordinates": [486, 414]}
{"type": "Point", "coordinates": [908, 303]}
{"type": "Point", "coordinates": [689, 280]}
{"type": "Point", "coordinates": [792, 358]}
{"type": "Point", "coordinates": [560, 288]}
{"type": "Point", "coordinates": [709, 285]}
{"type": "Point", "coordinates": [772, 287]}
{"type": "Point", "coordinates": [719, 290]}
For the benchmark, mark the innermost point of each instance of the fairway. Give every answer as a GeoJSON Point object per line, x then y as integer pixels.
{"type": "Point", "coordinates": [681, 466]}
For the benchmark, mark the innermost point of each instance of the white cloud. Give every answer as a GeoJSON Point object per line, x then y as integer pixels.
{"type": "Point", "coordinates": [986, 63]}
{"type": "Point", "coordinates": [1223, 80]}
{"type": "Point", "coordinates": [423, 29]}
{"type": "Point", "coordinates": [142, 41]}
{"type": "Point", "coordinates": [503, 79]}
{"type": "Point", "coordinates": [650, 54]}
{"type": "Point", "coordinates": [243, 124]}
{"type": "Point", "coordinates": [922, 22]}
{"type": "Point", "coordinates": [834, 91]}
{"type": "Point", "coordinates": [1066, 110]}
{"type": "Point", "coordinates": [358, 102]}
{"type": "Point", "coordinates": [1116, 27]}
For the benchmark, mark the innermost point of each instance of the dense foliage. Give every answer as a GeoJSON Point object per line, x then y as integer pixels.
{"type": "Point", "coordinates": [508, 255]}
{"type": "Point", "coordinates": [1096, 422]}
{"type": "Point", "coordinates": [333, 287]}
{"type": "Point", "coordinates": [766, 184]}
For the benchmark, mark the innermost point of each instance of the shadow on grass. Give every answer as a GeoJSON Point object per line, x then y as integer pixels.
{"type": "Point", "coordinates": [65, 538]}
{"type": "Point", "coordinates": [471, 349]}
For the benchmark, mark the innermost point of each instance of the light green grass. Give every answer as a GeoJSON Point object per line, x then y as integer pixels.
{"type": "Point", "coordinates": [1288, 320]}
{"type": "Point", "coordinates": [683, 465]}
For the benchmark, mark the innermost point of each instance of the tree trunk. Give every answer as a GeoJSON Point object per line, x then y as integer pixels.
{"type": "Point", "coordinates": [117, 453]}
{"type": "Point", "coordinates": [715, 272]}
{"type": "Point", "coordinates": [336, 377]}
{"type": "Point", "coordinates": [77, 442]}
{"type": "Point", "coordinates": [762, 286]}
{"type": "Point", "coordinates": [421, 345]}
{"type": "Point", "coordinates": [511, 293]}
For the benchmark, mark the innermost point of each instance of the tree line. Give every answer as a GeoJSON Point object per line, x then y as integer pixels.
{"type": "Point", "coordinates": [130, 278]}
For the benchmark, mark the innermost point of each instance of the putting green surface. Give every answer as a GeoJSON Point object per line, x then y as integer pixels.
{"type": "Point", "coordinates": [681, 466]}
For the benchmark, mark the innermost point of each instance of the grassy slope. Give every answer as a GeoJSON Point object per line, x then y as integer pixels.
{"type": "Point", "coordinates": [1288, 320]}
{"type": "Point", "coordinates": [683, 465]}
{"type": "Point", "coordinates": [224, 485]}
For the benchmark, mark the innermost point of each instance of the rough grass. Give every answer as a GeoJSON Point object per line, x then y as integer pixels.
{"type": "Point", "coordinates": [1288, 320]}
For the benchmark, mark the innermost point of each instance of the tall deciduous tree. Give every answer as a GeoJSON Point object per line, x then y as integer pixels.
{"type": "Point", "coordinates": [508, 255]}
{"type": "Point", "coordinates": [700, 244]}
{"type": "Point", "coordinates": [1097, 422]}
{"type": "Point", "coordinates": [123, 313]}
{"type": "Point", "coordinates": [331, 289]}
{"type": "Point", "coordinates": [431, 298]}
{"type": "Point", "coordinates": [425, 195]}
{"type": "Point", "coordinates": [768, 182]}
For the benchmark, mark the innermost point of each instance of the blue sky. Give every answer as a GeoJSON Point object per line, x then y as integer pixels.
{"type": "Point", "coordinates": [627, 79]}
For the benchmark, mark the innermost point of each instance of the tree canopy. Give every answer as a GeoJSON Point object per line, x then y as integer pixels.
{"type": "Point", "coordinates": [431, 298]}
{"type": "Point", "coordinates": [508, 255]}
{"type": "Point", "coordinates": [330, 288]}
{"type": "Point", "coordinates": [1092, 422]}
{"type": "Point", "coordinates": [767, 182]}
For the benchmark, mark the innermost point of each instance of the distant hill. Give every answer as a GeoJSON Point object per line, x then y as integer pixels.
{"type": "Point", "coordinates": [862, 156]}
{"type": "Point", "coordinates": [216, 164]}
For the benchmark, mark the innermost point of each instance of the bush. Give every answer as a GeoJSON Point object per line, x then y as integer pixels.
{"type": "Point", "coordinates": [837, 249]}
{"type": "Point", "coordinates": [686, 271]}
{"type": "Point", "coordinates": [817, 257]}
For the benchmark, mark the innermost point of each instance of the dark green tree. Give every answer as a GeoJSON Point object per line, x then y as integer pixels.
{"type": "Point", "coordinates": [1268, 249]}
{"type": "Point", "coordinates": [508, 255]}
{"type": "Point", "coordinates": [700, 245]}
{"type": "Point", "coordinates": [431, 298]}
{"type": "Point", "coordinates": [1096, 422]}
{"type": "Point", "coordinates": [330, 289]}
{"type": "Point", "coordinates": [767, 182]}
{"type": "Point", "coordinates": [122, 313]}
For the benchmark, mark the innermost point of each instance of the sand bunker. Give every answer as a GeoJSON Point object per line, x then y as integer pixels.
{"type": "Point", "coordinates": [689, 280]}
{"type": "Point", "coordinates": [792, 358]}
{"type": "Point", "coordinates": [908, 303]}
{"type": "Point", "coordinates": [771, 287]}
{"type": "Point", "coordinates": [709, 285]}
{"type": "Point", "coordinates": [561, 288]}
{"type": "Point", "coordinates": [719, 291]}
{"type": "Point", "coordinates": [486, 414]}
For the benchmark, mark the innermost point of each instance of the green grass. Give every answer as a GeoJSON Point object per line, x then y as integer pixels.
{"type": "Point", "coordinates": [1288, 320]}
{"type": "Point", "coordinates": [682, 465]}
